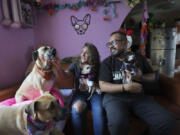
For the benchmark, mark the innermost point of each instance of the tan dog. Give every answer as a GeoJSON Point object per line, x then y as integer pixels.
{"type": "Point", "coordinates": [41, 78]}
{"type": "Point", "coordinates": [17, 120]}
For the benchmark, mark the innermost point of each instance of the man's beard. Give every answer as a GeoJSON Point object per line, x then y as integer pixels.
{"type": "Point", "coordinates": [120, 53]}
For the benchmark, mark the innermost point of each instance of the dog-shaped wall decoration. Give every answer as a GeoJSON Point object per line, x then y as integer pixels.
{"type": "Point", "coordinates": [81, 26]}
{"type": "Point", "coordinates": [41, 78]}
{"type": "Point", "coordinates": [37, 117]}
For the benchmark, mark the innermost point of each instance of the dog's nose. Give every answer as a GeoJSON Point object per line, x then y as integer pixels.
{"type": "Point", "coordinates": [53, 51]}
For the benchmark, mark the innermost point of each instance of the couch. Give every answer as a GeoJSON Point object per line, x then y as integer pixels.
{"type": "Point", "coordinates": [170, 99]}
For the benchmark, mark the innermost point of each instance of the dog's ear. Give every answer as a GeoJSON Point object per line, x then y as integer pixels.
{"type": "Point", "coordinates": [34, 55]}
{"type": "Point", "coordinates": [31, 108]}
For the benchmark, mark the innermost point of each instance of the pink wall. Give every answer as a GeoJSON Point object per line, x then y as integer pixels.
{"type": "Point", "coordinates": [15, 54]}
{"type": "Point", "coordinates": [58, 31]}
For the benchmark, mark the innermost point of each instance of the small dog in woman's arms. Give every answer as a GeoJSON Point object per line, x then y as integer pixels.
{"type": "Point", "coordinates": [89, 76]}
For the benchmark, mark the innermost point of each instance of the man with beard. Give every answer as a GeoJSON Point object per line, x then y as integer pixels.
{"type": "Point", "coordinates": [122, 98]}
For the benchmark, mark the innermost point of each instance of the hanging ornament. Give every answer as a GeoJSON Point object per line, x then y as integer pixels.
{"type": "Point", "coordinates": [93, 9]}
{"type": "Point", "coordinates": [61, 6]}
{"type": "Point", "coordinates": [74, 8]}
{"type": "Point", "coordinates": [93, 5]}
{"type": "Point", "coordinates": [105, 4]}
{"type": "Point", "coordinates": [69, 6]}
{"type": "Point", "coordinates": [105, 11]}
{"type": "Point", "coordinates": [151, 21]}
{"type": "Point", "coordinates": [82, 4]}
{"type": "Point", "coordinates": [52, 5]}
{"type": "Point", "coordinates": [105, 18]}
{"type": "Point", "coordinates": [113, 10]}
{"type": "Point", "coordinates": [56, 8]}
{"type": "Point", "coordinates": [132, 3]}
{"type": "Point", "coordinates": [51, 11]}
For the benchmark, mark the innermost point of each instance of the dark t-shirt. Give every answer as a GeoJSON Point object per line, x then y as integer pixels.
{"type": "Point", "coordinates": [74, 68]}
{"type": "Point", "coordinates": [111, 71]}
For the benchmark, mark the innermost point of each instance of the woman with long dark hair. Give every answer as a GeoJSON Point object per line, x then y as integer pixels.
{"type": "Point", "coordinates": [83, 99]}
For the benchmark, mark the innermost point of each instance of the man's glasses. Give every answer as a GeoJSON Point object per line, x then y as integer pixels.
{"type": "Point", "coordinates": [113, 42]}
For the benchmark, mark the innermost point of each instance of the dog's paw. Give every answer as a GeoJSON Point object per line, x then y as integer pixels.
{"type": "Point", "coordinates": [98, 91]}
{"type": "Point", "coordinates": [90, 83]}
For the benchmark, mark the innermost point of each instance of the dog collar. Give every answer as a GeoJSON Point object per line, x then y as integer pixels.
{"type": "Point", "coordinates": [38, 128]}
{"type": "Point", "coordinates": [45, 74]}
{"type": "Point", "coordinates": [89, 76]}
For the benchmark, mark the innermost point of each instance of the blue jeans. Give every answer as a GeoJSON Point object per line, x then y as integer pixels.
{"type": "Point", "coordinates": [78, 119]}
{"type": "Point", "coordinates": [117, 108]}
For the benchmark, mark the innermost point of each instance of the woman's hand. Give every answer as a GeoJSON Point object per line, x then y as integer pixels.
{"type": "Point", "coordinates": [83, 84]}
{"type": "Point", "coordinates": [56, 63]}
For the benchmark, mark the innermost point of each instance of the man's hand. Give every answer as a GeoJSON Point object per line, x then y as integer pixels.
{"type": "Point", "coordinates": [133, 87]}
{"type": "Point", "coordinates": [138, 75]}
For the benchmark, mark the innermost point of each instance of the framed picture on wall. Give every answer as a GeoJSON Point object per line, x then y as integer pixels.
{"type": "Point", "coordinates": [26, 15]}
{"type": "Point", "coordinates": [16, 13]}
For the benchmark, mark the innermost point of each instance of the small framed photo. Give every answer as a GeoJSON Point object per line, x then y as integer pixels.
{"type": "Point", "coordinates": [26, 15]}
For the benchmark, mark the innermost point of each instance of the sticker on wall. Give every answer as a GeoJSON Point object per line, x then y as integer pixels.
{"type": "Point", "coordinates": [80, 26]}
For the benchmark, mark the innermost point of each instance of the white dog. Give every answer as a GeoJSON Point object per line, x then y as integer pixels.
{"type": "Point", "coordinates": [41, 78]}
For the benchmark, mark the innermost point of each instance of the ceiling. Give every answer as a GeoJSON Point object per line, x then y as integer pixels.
{"type": "Point", "coordinates": [167, 10]}
{"type": "Point", "coordinates": [158, 6]}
